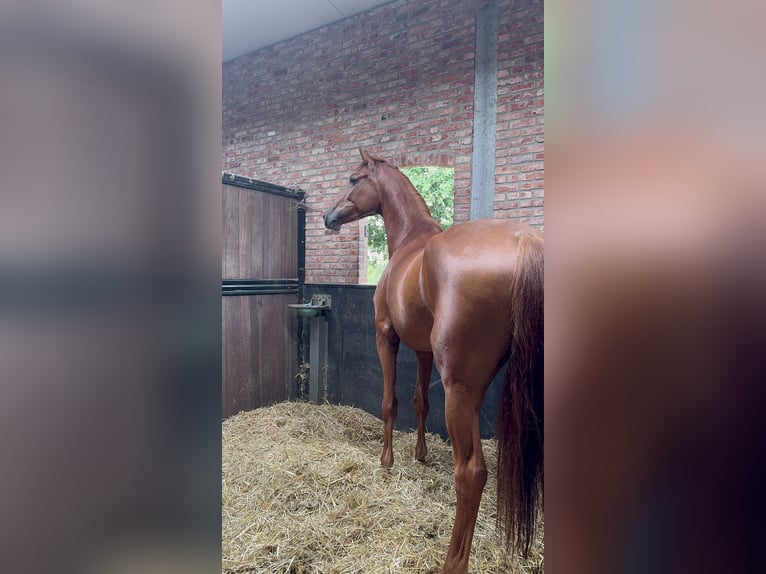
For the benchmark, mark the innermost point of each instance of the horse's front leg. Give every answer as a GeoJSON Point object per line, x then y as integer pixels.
{"type": "Point", "coordinates": [425, 363]}
{"type": "Point", "coordinates": [387, 341]}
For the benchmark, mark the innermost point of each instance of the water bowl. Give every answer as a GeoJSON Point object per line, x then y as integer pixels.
{"type": "Point", "coordinates": [306, 309]}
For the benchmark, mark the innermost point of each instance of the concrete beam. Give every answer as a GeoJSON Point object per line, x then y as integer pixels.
{"type": "Point", "coordinates": [484, 112]}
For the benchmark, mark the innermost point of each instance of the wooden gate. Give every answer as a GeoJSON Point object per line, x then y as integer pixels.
{"type": "Point", "coordinates": [263, 270]}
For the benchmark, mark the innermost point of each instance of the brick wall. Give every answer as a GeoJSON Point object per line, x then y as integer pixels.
{"type": "Point", "coordinates": [398, 80]}
{"type": "Point", "coordinates": [520, 134]}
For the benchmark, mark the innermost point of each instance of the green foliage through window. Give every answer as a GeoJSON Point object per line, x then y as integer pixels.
{"type": "Point", "coordinates": [437, 186]}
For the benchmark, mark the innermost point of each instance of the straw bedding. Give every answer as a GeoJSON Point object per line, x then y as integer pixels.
{"type": "Point", "coordinates": [303, 492]}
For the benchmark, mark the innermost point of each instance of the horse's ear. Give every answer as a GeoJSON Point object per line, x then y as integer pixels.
{"type": "Point", "coordinates": [368, 159]}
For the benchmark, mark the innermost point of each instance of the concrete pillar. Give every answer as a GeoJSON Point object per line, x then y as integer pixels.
{"type": "Point", "coordinates": [484, 112]}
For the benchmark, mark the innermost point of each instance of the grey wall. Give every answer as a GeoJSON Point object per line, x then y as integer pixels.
{"type": "Point", "coordinates": [354, 374]}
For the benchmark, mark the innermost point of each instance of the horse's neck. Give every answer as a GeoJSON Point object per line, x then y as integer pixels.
{"type": "Point", "coordinates": [404, 216]}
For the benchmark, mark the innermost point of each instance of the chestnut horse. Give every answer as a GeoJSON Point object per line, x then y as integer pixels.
{"type": "Point", "coordinates": [467, 300]}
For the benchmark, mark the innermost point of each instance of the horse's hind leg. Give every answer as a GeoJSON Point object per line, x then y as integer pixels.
{"type": "Point", "coordinates": [462, 414]}
{"type": "Point", "coordinates": [425, 363]}
{"type": "Point", "coordinates": [467, 360]}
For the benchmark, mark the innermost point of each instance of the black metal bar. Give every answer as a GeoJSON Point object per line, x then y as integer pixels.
{"type": "Point", "coordinates": [248, 293]}
{"type": "Point", "coordinates": [302, 323]}
{"type": "Point", "coordinates": [275, 287]}
{"type": "Point", "coordinates": [290, 280]}
{"type": "Point", "coordinates": [301, 254]}
{"type": "Point", "coordinates": [232, 287]}
{"type": "Point", "coordinates": [264, 186]}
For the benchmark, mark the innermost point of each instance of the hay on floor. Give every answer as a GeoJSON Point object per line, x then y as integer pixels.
{"type": "Point", "coordinates": [303, 492]}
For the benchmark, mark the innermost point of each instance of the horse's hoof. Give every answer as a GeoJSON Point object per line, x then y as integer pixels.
{"type": "Point", "coordinates": [420, 455]}
{"type": "Point", "coordinates": [387, 461]}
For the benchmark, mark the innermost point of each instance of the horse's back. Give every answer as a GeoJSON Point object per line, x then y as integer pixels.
{"type": "Point", "coordinates": [480, 252]}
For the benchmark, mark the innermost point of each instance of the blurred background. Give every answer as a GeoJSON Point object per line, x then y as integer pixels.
{"type": "Point", "coordinates": [109, 260]}
{"type": "Point", "coordinates": [655, 284]}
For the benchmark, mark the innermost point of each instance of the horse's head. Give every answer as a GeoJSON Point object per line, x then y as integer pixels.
{"type": "Point", "coordinates": [360, 198]}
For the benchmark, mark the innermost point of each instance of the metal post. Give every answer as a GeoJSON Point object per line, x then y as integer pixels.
{"type": "Point", "coordinates": [318, 359]}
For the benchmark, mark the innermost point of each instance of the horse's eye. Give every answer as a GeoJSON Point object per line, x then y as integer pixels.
{"type": "Point", "coordinates": [352, 180]}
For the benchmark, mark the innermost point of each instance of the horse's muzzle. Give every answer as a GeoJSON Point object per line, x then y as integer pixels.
{"type": "Point", "coordinates": [331, 220]}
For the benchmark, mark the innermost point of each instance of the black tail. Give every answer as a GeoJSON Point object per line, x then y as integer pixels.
{"type": "Point", "coordinates": [520, 425]}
